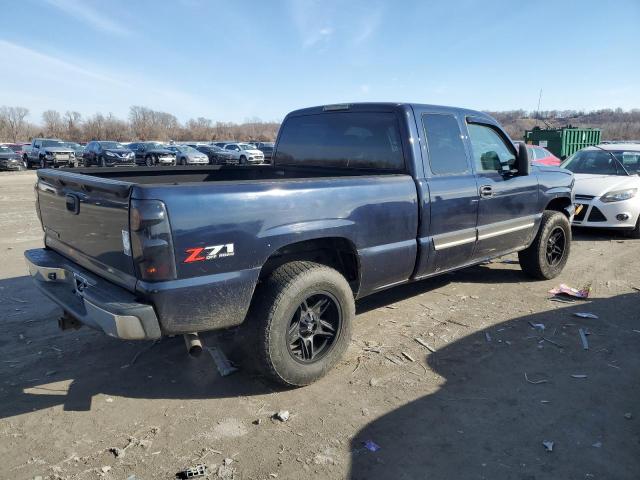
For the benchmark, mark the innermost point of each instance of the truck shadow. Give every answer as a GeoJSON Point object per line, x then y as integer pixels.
{"type": "Point", "coordinates": [487, 420]}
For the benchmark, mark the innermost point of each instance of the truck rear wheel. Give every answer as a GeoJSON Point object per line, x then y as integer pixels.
{"type": "Point", "coordinates": [545, 258]}
{"type": "Point", "coordinates": [303, 315]}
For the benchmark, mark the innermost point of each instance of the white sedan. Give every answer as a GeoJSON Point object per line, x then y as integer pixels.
{"type": "Point", "coordinates": [607, 188]}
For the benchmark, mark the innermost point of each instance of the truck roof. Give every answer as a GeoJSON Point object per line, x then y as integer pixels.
{"type": "Point", "coordinates": [385, 106]}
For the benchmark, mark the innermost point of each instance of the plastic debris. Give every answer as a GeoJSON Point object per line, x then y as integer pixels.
{"type": "Point", "coordinates": [408, 357]}
{"type": "Point", "coordinates": [583, 338]}
{"type": "Point", "coordinates": [425, 344]}
{"type": "Point", "coordinates": [586, 315]}
{"type": "Point", "coordinates": [371, 445]}
{"type": "Point", "coordinates": [537, 326]}
{"type": "Point", "coordinates": [548, 445]}
{"type": "Point", "coordinates": [534, 382]}
{"type": "Point", "coordinates": [487, 336]}
{"type": "Point", "coordinates": [282, 415]}
{"type": "Point", "coordinates": [597, 445]}
{"type": "Point", "coordinates": [563, 289]}
{"type": "Point", "coordinates": [628, 416]}
{"type": "Point", "coordinates": [223, 364]}
{"type": "Point", "coordinates": [578, 375]}
{"type": "Point", "coordinates": [105, 469]}
{"type": "Point", "coordinates": [193, 472]}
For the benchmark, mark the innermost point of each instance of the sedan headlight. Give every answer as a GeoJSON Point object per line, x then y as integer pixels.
{"type": "Point", "coordinates": [110, 154]}
{"type": "Point", "coordinates": [619, 195]}
{"type": "Point", "coordinates": [130, 155]}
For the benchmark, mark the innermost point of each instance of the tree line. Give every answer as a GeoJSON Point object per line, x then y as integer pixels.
{"type": "Point", "coordinates": [616, 124]}
{"type": "Point", "coordinates": [143, 124]}
{"type": "Point", "coordinates": [147, 124]}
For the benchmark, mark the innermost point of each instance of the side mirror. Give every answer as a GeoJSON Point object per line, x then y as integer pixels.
{"type": "Point", "coordinates": [522, 162]}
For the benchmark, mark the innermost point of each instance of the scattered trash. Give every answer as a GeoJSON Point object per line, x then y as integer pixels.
{"type": "Point", "coordinates": [487, 336]}
{"type": "Point", "coordinates": [223, 364]}
{"type": "Point", "coordinates": [579, 375]}
{"type": "Point", "coordinates": [393, 359]}
{"type": "Point", "coordinates": [374, 382]}
{"type": "Point", "coordinates": [597, 445]}
{"type": "Point", "coordinates": [424, 344]}
{"type": "Point", "coordinates": [628, 416]}
{"type": "Point", "coordinates": [534, 382]}
{"type": "Point", "coordinates": [637, 331]}
{"type": "Point", "coordinates": [586, 315]}
{"type": "Point", "coordinates": [544, 401]}
{"type": "Point", "coordinates": [510, 262]}
{"type": "Point", "coordinates": [282, 415]}
{"type": "Point", "coordinates": [117, 452]}
{"type": "Point", "coordinates": [391, 307]}
{"type": "Point", "coordinates": [108, 400]}
{"type": "Point", "coordinates": [193, 472]}
{"type": "Point", "coordinates": [537, 326]}
{"type": "Point", "coordinates": [51, 372]}
{"type": "Point", "coordinates": [548, 445]}
{"type": "Point", "coordinates": [563, 289]}
{"type": "Point", "coordinates": [637, 289]}
{"type": "Point", "coordinates": [545, 339]}
{"type": "Point", "coordinates": [105, 469]}
{"type": "Point", "coordinates": [561, 300]}
{"type": "Point", "coordinates": [257, 421]}
{"type": "Point", "coordinates": [371, 445]}
{"type": "Point", "coordinates": [583, 338]}
{"type": "Point", "coordinates": [408, 357]}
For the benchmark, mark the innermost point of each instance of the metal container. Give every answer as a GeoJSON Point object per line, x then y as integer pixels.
{"type": "Point", "coordinates": [564, 141]}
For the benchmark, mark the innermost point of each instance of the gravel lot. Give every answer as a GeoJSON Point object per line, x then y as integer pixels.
{"type": "Point", "coordinates": [77, 406]}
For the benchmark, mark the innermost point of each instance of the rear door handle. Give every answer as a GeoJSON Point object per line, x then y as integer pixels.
{"type": "Point", "coordinates": [486, 191]}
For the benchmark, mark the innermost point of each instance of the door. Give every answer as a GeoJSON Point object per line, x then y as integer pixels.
{"type": "Point", "coordinates": [508, 210]}
{"type": "Point", "coordinates": [448, 230]}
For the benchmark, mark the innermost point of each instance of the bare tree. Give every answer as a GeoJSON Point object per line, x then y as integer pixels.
{"type": "Point", "coordinates": [13, 119]}
{"type": "Point", "coordinates": [73, 122]}
{"type": "Point", "coordinates": [52, 123]}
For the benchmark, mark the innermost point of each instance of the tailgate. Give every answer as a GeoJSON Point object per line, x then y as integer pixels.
{"type": "Point", "coordinates": [86, 219]}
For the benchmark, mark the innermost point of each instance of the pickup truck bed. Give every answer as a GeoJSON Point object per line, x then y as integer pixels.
{"type": "Point", "coordinates": [359, 198]}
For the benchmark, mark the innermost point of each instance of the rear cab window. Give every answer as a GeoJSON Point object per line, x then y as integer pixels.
{"type": "Point", "coordinates": [447, 155]}
{"type": "Point", "coordinates": [355, 140]}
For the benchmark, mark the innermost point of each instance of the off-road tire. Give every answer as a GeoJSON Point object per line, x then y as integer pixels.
{"type": "Point", "coordinates": [276, 302]}
{"type": "Point", "coordinates": [533, 260]}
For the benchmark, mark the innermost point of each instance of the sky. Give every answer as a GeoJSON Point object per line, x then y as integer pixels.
{"type": "Point", "coordinates": [234, 60]}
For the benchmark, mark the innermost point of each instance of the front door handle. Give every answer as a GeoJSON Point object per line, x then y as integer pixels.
{"type": "Point", "coordinates": [486, 191]}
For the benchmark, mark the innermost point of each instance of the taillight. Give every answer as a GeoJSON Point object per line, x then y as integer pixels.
{"type": "Point", "coordinates": [151, 243]}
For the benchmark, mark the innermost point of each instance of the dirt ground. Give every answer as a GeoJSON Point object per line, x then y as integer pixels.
{"type": "Point", "coordinates": [81, 405]}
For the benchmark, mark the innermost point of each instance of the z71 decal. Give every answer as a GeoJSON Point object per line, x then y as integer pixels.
{"type": "Point", "coordinates": [200, 254]}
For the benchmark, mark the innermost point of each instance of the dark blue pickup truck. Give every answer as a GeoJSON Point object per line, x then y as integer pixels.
{"type": "Point", "coordinates": [360, 197]}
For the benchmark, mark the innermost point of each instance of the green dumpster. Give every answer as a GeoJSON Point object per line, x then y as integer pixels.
{"type": "Point", "coordinates": [564, 141]}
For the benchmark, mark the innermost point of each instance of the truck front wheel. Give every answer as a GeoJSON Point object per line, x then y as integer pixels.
{"type": "Point", "coordinates": [303, 315]}
{"type": "Point", "coordinates": [545, 258]}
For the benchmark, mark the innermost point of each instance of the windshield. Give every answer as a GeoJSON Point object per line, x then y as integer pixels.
{"type": "Point", "coordinates": [5, 150]}
{"type": "Point", "coordinates": [600, 162]}
{"type": "Point", "coordinates": [155, 145]}
{"type": "Point", "coordinates": [112, 145]}
{"type": "Point", "coordinates": [188, 149]}
{"type": "Point", "coordinates": [54, 143]}
{"type": "Point", "coordinates": [246, 146]}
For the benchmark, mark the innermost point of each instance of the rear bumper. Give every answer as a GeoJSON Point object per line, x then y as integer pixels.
{"type": "Point", "coordinates": [92, 300]}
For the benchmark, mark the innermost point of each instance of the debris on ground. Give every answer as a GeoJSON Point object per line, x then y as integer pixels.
{"type": "Point", "coordinates": [565, 290]}
{"type": "Point", "coordinates": [282, 415]}
{"type": "Point", "coordinates": [597, 445]}
{"type": "Point", "coordinates": [534, 382]}
{"type": "Point", "coordinates": [193, 472]}
{"type": "Point", "coordinates": [408, 357]}
{"type": "Point", "coordinates": [425, 344]}
{"type": "Point", "coordinates": [371, 445]}
{"type": "Point", "coordinates": [583, 338]}
{"type": "Point", "coordinates": [393, 359]}
{"type": "Point", "coordinates": [579, 375]}
{"type": "Point", "coordinates": [487, 336]}
{"type": "Point", "coordinates": [223, 364]}
{"type": "Point", "coordinates": [586, 315]}
{"type": "Point", "coordinates": [628, 416]}
{"type": "Point", "coordinates": [537, 326]}
{"type": "Point", "coordinates": [548, 445]}
{"type": "Point", "coordinates": [105, 469]}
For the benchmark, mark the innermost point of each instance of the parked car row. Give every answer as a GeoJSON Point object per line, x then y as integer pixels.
{"type": "Point", "coordinates": [53, 152]}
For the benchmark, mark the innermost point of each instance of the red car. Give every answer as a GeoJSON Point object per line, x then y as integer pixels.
{"type": "Point", "coordinates": [541, 156]}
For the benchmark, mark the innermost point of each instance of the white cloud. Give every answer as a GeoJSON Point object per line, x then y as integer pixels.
{"type": "Point", "coordinates": [369, 24]}
{"type": "Point", "coordinates": [312, 21]}
{"type": "Point", "coordinates": [365, 88]}
{"type": "Point", "coordinates": [49, 82]}
{"type": "Point", "coordinates": [81, 10]}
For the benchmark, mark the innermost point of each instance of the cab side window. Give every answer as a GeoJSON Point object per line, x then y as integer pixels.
{"type": "Point", "coordinates": [490, 152]}
{"type": "Point", "coordinates": [447, 155]}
